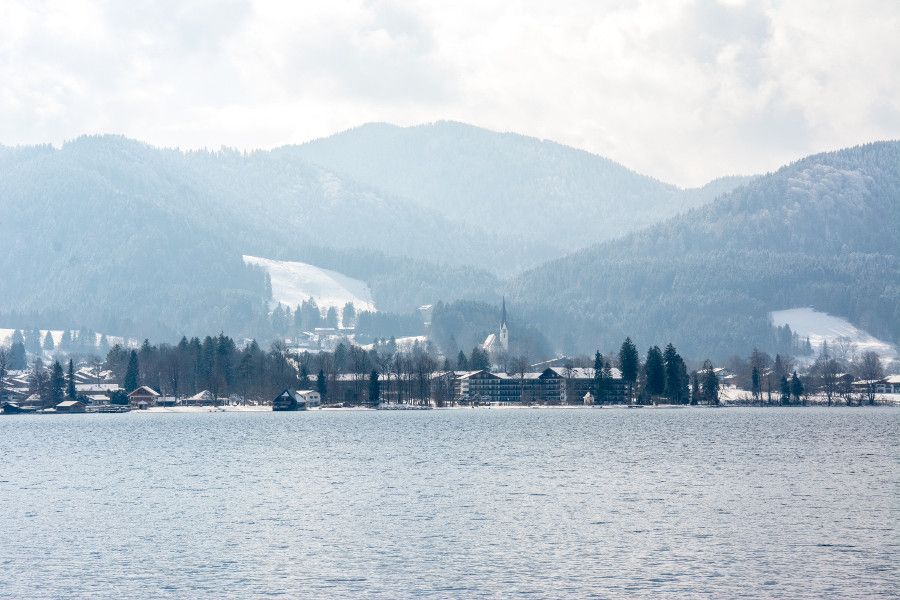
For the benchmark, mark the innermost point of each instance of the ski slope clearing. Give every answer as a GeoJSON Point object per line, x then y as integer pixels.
{"type": "Point", "coordinates": [819, 326]}
{"type": "Point", "coordinates": [294, 282]}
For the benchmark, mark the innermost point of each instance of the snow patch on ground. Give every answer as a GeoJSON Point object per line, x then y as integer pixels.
{"type": "Point", "coordinates": [820, 326]}
{"type": "Point", "coordinates": [404, 344]}
{"type": "Point", "coordinates": [294, 282]}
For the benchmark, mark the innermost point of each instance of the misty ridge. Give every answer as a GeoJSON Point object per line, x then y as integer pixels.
{"type": "Point", "coordinates": [114, 235]}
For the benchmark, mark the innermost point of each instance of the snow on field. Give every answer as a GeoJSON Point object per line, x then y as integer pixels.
{"type": "Point", "coordinates": [294, 282]}
{"type": "Point", "coordinates": [819, 326]}
{"type": "Point", "coordinates": [404, 344]}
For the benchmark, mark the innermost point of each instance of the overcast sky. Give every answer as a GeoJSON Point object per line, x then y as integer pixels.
{"type": "Point", "coordinates": [683, 90]}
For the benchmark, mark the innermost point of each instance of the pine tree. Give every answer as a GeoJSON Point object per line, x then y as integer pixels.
{"type": "Point", "coordinates": [348, 315]}
{"type": "Point", "coordinates": [103, 348]}
{"type": "Point", "coordinates": [33, 341]}
{"type": "Point", "coordinates": [695, 388]}
{"type": "Point", "coordinates": [479, 360]}
{"type": "Point", "coordinates": [462, 363]}
{"type": "Point", "coordinates": [4, 361]}
{"type": "Point", "coordinates": [796, 387]}
{"type": "Point", "coordinates": [655, 372]}
{"type": "Point", "coordinates": [710, 384]}
{"type": "Point", "coordinates": [673, 374]}
{"type": "Point", "coordinates": [599, 380]}
{"type": "Point", "coordinates": [331, 318]}
{"type": "Point", "coordinates": [754, 384]}
{"type": "Point", "coordinates": [70, 381]}
{"type": "Point", "coordinates": [17, 360]}
{"type": "Point", "coordinates": [785, 390]}
{"type": "Point", "coordinates": [374, 389]}
{"type": "Point", "coordinates": [57, 384]}
{"type": "Point", "coordinates": [322, 385]}
{"type": "Point", "coordinates": [49, 346]}
{"type": "Point", "coordinates": [304, 377]}
{"type": "Point", "coordinates": [628, 364]}
{"type": "Point", "coordinates": [65, 343]}
{"type": "Point", "coordinates": [130, 382]}
{"type": "Point", "coordinates": [38, 380]}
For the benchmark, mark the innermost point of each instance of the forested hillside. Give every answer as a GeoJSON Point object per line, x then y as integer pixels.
{"type": "Point", "coordinates": [505, 182]}
{"type": "Point", "coordinates": [118, 236]}
{"type": "Point", "coordinates": [821, 232]}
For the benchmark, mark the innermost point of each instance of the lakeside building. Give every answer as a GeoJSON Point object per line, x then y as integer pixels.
{"type": "Point", "coordinates": [143, 397]}
{"type": "Point", "coordinates": [290, 400]}
{"type": "Point", "coordinates": [553, 386]}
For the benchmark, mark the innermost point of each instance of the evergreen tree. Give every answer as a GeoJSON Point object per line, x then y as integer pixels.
{"type": "Point", "coordinates": [754, 383]}
{"type": "Point", "coordinates": [710, 384]}
{"type": "Point", "coordinates": [17, 360]}
{"type": "Point", "coordinates": [304, 377]}
{"type": "Point", "coordinates": [4, 361]}
{"type": "Point", "coordinates": [599, 379]}
{"type": "Point", "coordinates": [65, 343]}
{"type": "Point", "coordinates": [374, 389]}
{"type": "Point", "coordinates": [479, 360]}
{"type": "Point", "coordinates": [70, 381]}
{"type": "Point", "coordinates": [628, 364]}
{"type": "Point", "coordinates": [39, 380]}
{"type": "Point", "coordinates": [796, 387]}
{"type": "Point", "coordinates": [348, 315]}
{"type": "Point", "coordinates": [462, 363]}
{"type": "Point", "coordinates": [49, 346]}
{"type": "Point", "coordinates": [57, 384]}
{"type": "Point", "coordinates": [655, 372]}
{"type": "Point", "coordinates": [695, 388]}
{"type": "Point", "coordinates": [331, 317]}
{"type": "Point", "coordinates": [673, 374]}
{"type": "Point", "coordinates": [785, 390]}
{"type": "Point", "coordinates": [103, 348]}
{"type": "Point", "coordinates": [33, 341]}
{"type": "Point", "coordinates": [322, 385]}
{"type": "Point", "coordinates": [130, 382]}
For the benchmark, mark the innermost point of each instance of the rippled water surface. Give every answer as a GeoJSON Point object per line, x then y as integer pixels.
{"type": "Point", "coordinates": [458, 503]}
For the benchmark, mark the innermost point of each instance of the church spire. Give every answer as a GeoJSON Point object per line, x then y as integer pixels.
{"type": "Point", "coordinates": [503, 313]}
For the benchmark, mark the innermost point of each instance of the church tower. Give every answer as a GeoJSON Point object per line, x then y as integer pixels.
{"type": "Point", "coordinates": [504, 330]}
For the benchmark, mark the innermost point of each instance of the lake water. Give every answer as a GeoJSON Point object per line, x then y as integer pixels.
{"type": "Point", "coordinates": [790, 503]}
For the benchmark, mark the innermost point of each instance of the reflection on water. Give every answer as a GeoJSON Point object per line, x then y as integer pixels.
{"type": "Point", "coordinates": [458, 503]}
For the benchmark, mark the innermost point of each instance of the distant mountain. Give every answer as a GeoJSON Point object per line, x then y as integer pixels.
{"type": "Point", "coordinates": [533, 189]}
{"type": "Point", "coordinates": [119, 236]}
{"type": "Point", "coordinates": [821, 232]}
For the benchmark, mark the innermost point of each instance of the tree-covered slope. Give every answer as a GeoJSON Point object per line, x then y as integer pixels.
{"type": "Point", "coordinates": [821, 232]}
{"type": "Point", "coordinates": [538, 190]}
{"type": "Point", "coordinates": [120, 236]}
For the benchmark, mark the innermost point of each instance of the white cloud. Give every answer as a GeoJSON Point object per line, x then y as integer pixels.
{"type": "Point", "coordinates": [682, 90]}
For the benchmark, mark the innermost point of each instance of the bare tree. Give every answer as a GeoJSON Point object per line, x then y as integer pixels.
{"type": "Point", "coordinates": [870, 371]}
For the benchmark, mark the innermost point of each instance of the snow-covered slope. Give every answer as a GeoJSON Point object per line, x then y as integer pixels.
{"type": "Point", "coordinates": [819, 326]}
{"type": "Point", "coordinates": [294, 282]}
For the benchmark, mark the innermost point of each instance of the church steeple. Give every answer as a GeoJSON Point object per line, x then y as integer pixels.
{"type": "Point", "coordinates": [504, 330]}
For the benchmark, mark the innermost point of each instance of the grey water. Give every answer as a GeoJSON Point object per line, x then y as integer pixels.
{"type": "Point", "coordinates": [543, 503]}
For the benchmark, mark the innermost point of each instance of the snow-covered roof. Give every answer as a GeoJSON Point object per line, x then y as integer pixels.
{"type": "Point", "coordinates": [489, 341]}
{"type": "Point", "coordinates": [144, 390]}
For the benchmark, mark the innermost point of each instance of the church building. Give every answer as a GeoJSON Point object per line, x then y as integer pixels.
{"type": "Point", "coordinates": [498, 343]}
